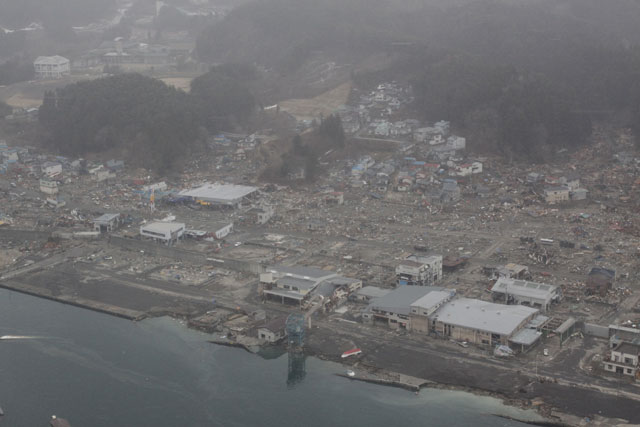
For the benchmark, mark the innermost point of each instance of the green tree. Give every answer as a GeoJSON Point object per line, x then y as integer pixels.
{"type": "Point", "coordinates": [155, 125]}
{"type": "Point", "coordinates": [5, 109]}
{"type": "Point", "coordinates": [221, 99]}
{"type": "Point", "coordinates": [332, 130]}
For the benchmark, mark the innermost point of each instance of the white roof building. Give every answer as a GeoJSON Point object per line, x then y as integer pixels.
{"type": "Point", "coordinates": [480, 321]}
{"type": "Point", "coordinates": [167, 232]}
{"type": "Point", "coordinates": [220, 194]}
{"type": "Point", "coordinates": [51, 67]}
{"type": "Point", "coordinates": [539, 295]}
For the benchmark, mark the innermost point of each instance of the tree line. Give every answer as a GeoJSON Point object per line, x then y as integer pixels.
{"type": "Point", "coordinates": [153, 125]}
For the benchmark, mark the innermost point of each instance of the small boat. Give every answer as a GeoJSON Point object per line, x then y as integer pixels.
{"type": "Point", "coordinates": [1, 412]}
{"type": "Point", "coordinates": [351, 373]}
{"type": "Point", "coordinates": [352, 352]}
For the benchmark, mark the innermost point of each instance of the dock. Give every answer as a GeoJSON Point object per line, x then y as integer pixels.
{"type": "Point", "coordinates": [58, 422]}
{"type": "Point", "coordinates": [392, 379]}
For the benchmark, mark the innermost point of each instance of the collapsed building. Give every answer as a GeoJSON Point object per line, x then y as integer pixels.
{"type": "Point", "coordinates": [600, 281]}
{"type": "Point", "coordinates": [296, 285]}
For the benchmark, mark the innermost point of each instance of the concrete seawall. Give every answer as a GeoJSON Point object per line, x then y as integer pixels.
{"type": "Point", "coordinates": [75, 301]}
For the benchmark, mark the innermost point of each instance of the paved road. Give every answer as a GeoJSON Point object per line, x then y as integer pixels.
{"type": "Point", "coordinates": [45, 263]}
{"type": "Point", "coordinates": [565, 370]}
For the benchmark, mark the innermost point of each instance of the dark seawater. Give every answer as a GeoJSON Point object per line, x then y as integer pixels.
{"type": "Point", "coordinates": [96, 370]}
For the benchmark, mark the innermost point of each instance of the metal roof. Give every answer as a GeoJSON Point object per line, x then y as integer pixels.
{"type": "Point", "coordinates": [524, 288]}
{"type": "Point", "coordinates": [485, 316]}
{"type": "Point", "coordinates": [300, 284]}
{"type": "Point", "coordinates": [372, 292]}
{"type": "Point", "coordinates": [433, 299]}
{"type": "Point", "coordinates": [163, 227]}
{"type": "Point", "coordinates": [51, 60]}
{"type": "Point", "coordinates": [108, 217]}
{"type": "Point", "coordinates": [526, 337]}
{"type": "Point", "coordinates": [565, 326]}
{"type": "Point", "coordinates": [537, 321]}
{"type": "Point", "coordinates": [400, 299]}
{"type": "Point", "coordinates": [301, 271]}
{"type": "Point", "coordinates": [285, 293]}
{"type": "Point", "coordinates": [628, 348]}
{"type": "Point", "coordinates": [223, 193]}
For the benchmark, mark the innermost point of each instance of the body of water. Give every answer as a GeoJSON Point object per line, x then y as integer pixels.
{"type": "Point", "coordinates": [96, 370]}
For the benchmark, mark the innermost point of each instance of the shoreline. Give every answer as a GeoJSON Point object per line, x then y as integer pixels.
{"type": "Point", "coordinates": [375, 374]}
{"type": "Point", "coordinates": [92, 305]}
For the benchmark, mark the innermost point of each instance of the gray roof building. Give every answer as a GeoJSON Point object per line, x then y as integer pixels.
{"type": "Point", "coordinates": [485, 316]}
{"type": "Point", "coordinates": [539, 295]}
{"type": "Point", "coordinates": [400, 299]}
{"type": "Point", "coordinates": [224, 194]}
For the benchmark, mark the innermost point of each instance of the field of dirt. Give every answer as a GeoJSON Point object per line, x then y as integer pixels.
{"type": "Point", "coordinates": [324, 104]}
{"type": "Point", "coordinates": [30, 94]}
{"type": "Point", "coordinates": [183, 83]}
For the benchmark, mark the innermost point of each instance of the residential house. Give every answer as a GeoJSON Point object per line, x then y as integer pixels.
{"type": "Point", "coordinates": [553, 195]}
{"type": "Point", "coordinates": [104, 175]}
{"type": "Point", "coordinates": [115, 165]}
{"type": "Point", "coordinates": [107, 222]}
{"type": "Point", "coordinates": [600, 281]}
{"type": "Point", "coordinates": [274, 330]}
{"type": "Point", "coordinates": [624, 359]}
{"type": "Point", "coordinates": [578, 194]}
{"type": "Point", "coordinates": [48, 186]}
{"type": "Point", "coordinates": [450, 191]}
{"type": "Point", "coordinates": [334, 198]}
{"type": "Point", "coordinates": [442, 153]}
{"type": "Point", "coordinates": [442, 126]}
{"type": "Point", "coordinates": [572, 181]}
{"type": "Point", "coordinates": [483, 191]}
{"type": "Point", "coordinates": [220, 230]}
{"type": "Point", "coordinates": [51, 168]}
{"type": "Point", "coordinates": [467, 169]}
{"type": "Point", "coordinates": [437, 139]}
{"type": "Point", "coordinates": [534, 177]}
{"type": "Point", "coordinates": [456, 142]}
{"type": "Point", "coordinates": [261, 215]}
{"type": "Point", "coordinates": [419, 270]}
{"type": "Point", "coordinates": [295, 285]}
{"type": "Point", "coordinates": [368, 293]}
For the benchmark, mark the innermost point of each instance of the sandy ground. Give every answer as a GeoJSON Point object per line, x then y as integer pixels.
{"type": "Point", "coordinates": [183, 83]}
{"type": "Point", "coordinates": [29, 94]}
{"type": "Point", "coordinates": [323, 104]}
{"type": "Point", "coordinates": [7, 256]}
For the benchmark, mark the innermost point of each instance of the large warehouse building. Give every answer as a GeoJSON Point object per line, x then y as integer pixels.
{"type": "Point", "coordinates": [220, 194]}
{"type": "Point", "coordinates": [481, 322]}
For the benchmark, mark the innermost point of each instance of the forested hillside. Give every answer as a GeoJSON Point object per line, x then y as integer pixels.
{"type": "Point", "coordinates": [151, 124]}
{"type": "Point", "coordinates": [523, 76]}
{"type": "Point", "coordinates": [18, 13]}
